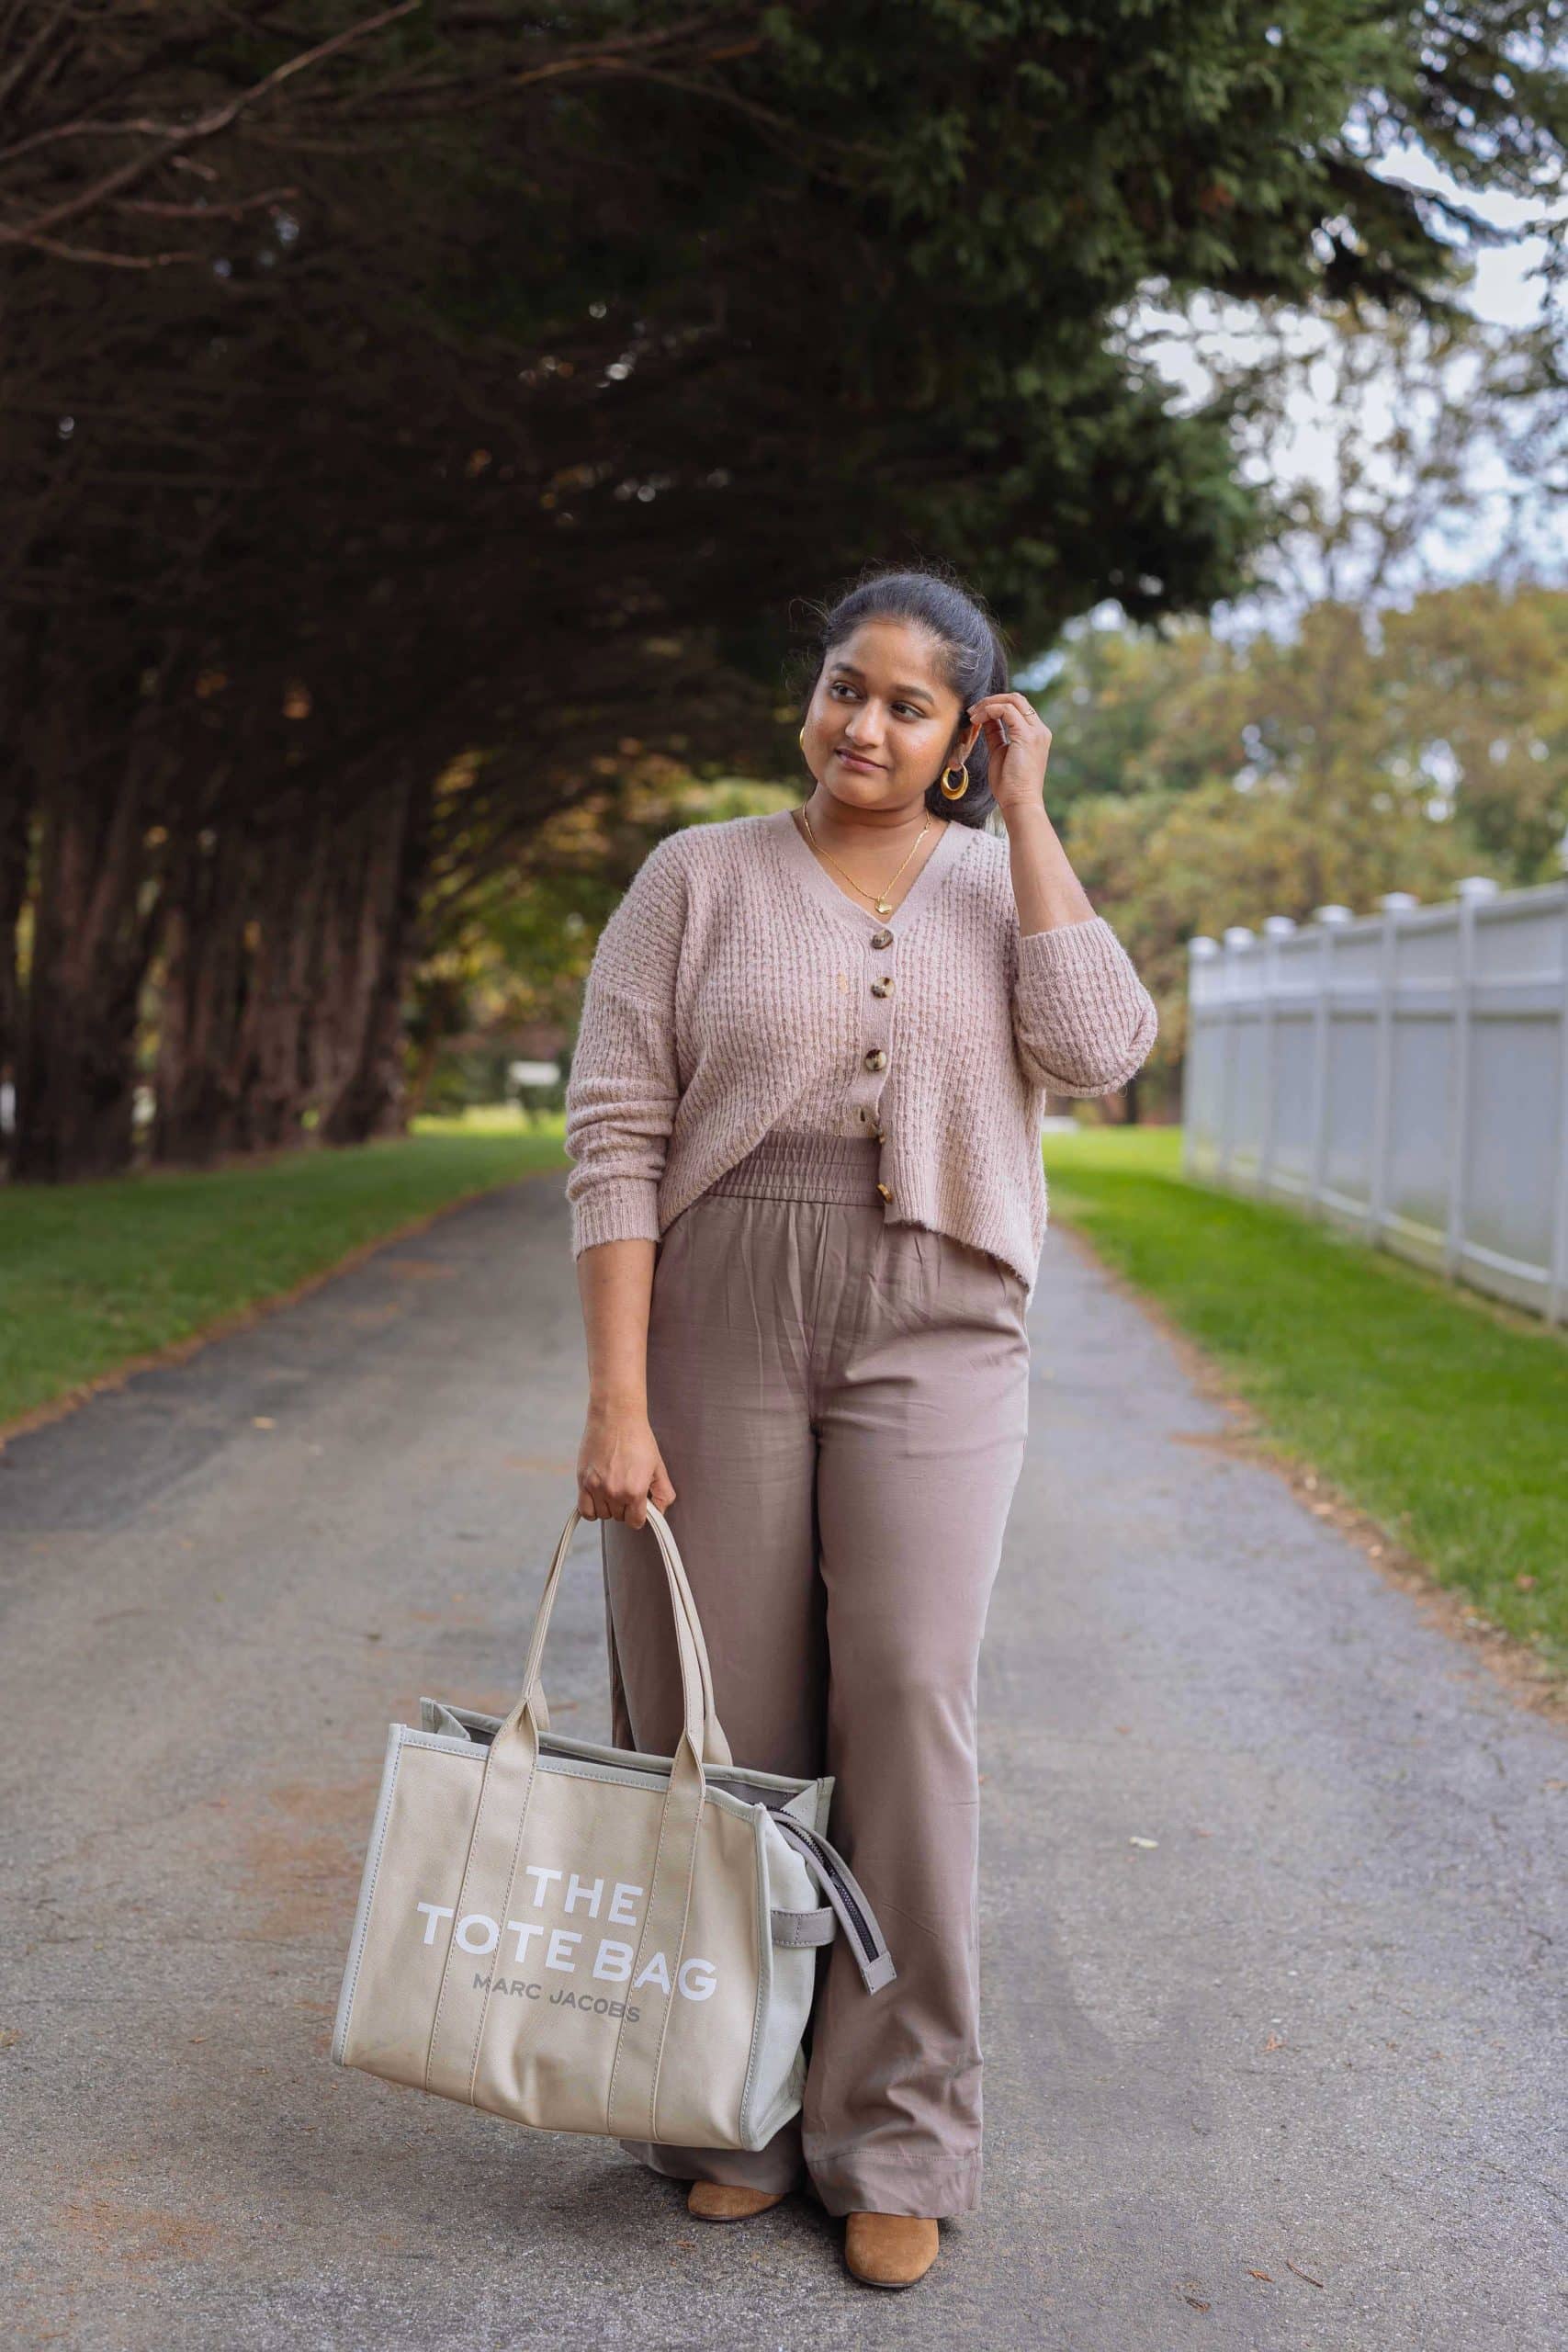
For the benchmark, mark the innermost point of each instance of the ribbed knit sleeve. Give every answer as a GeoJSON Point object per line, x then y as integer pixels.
{"type": "Point", "coordinates": [1082, 1019]}
{"type": "Point", "coordinates": [623, 1090]}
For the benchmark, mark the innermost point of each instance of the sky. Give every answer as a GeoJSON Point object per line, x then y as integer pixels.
{"type": "Point", "coordinates": [1502, 293]}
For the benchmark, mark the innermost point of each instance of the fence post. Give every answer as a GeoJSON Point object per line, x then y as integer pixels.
{"type": "Point", "coordinates": [1471, 891]}
{"type": "Point", "coordinates": [1329, 917]}
{"type": "Point", "coordinates": [1394, 904]}
{"type": "Point", "coordinates": [1200, 949]}
{"type": "Point", "coordinates": [1557, 1273]}
{"type": "Point", "coordinates": [1275, 927]}
{"type": "Point", "coordinates": [1237, 939]}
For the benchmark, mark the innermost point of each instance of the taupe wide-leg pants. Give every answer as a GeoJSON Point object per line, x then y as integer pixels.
{"type": "Point", "coordinates": [842, 1407]}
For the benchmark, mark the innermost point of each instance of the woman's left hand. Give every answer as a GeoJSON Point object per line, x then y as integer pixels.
{"type": "Point", "coordinates": [1018, 745]}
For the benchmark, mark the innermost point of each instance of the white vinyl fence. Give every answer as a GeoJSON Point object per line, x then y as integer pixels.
{"type": "Point", "coordinates": [1405, 1073]}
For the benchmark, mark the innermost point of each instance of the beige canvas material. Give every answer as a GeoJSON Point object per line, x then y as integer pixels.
{"type": "Point", "coordinates": [842, 1403]}
{"type": "Point", "coordinates": [586, 1940]}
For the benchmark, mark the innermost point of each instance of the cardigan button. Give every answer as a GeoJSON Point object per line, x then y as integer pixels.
{"type": "Point", "coordinates": [876, 1059]}
{"type": "Point", "coordinates": [883, 987]}
{"type": "Point", "coordinates": [882, 939]}
{"type": "Point", "coordinates": [885, 1191]}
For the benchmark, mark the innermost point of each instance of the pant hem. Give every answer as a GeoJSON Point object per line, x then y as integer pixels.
{"type": "Point", "coordinates": [894, 2184]}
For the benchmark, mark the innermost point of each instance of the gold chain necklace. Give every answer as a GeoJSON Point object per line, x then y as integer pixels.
{"type": "Point", "coordinates": [882, 904]}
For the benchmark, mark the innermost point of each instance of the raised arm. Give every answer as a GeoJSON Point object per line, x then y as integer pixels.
{"type": "Point", "coordinates": [1082, 1020]}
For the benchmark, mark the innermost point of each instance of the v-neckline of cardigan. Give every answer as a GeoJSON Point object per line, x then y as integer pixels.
{"type": "Point", "coordinates": [865, 920]}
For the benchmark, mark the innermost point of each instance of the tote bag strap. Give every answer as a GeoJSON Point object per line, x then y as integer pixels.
{"type": "Point", "coordinates": [491, 1867]}
{"type": "Point", "coordinates": [715, 1747]}
{"type": "Point", "coordinates": [843, 1890]}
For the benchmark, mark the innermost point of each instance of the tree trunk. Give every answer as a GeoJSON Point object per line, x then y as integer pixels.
{"type": "Point", "coordinates": [199, 999]}
{"type": "Point", "coordinates": [426, 1059]}
{"type": "Point", "coordinates": [15, 833]}
{"type": "Point", "coordinates": [279, 1009]}
{"type": "Point", "coordinates": [76, 1075]}
{"type": "Point", "coordinates": [370, 1100]}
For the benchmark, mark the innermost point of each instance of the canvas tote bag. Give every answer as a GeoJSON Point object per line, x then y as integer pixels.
{"type": "Point", "coordinates": [589, 1938]}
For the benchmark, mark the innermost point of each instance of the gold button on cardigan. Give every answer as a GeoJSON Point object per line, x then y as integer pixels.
{"type": "Point", "coordinates": [728, 996]}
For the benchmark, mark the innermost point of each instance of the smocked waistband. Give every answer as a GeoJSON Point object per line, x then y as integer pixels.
{"type": "Point", "coordinates": [805, 1166]}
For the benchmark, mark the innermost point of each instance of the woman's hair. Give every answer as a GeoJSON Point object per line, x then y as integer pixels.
{"type": "Point", "coordinates": [970, 654]}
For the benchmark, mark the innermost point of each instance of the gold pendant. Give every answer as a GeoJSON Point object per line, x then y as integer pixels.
{"type": "Point", "coordinates": [885, 906]}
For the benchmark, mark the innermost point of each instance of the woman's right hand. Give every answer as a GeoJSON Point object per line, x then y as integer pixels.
{"type": "Point", "coordinates": [619, 1467]}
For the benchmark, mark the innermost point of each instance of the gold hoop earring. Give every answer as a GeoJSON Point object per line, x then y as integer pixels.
{"type": "Point", "coordinates": [955, 791]}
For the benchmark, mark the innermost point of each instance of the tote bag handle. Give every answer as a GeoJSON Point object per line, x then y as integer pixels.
{"type": "Point", "coordinates": [715, 1747]}
{"type": "Point", "coordinates": [703, 1728]}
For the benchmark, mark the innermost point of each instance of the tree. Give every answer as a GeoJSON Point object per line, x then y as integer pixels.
{"type": "Point", "coordinates": [450, 390]}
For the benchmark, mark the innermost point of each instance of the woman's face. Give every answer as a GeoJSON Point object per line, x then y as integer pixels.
{"type": "Point", "coordinates": [882, 721]}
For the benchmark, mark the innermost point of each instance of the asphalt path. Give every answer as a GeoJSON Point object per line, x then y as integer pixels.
{"type": "Point", "coordinates": [1273, 1891]}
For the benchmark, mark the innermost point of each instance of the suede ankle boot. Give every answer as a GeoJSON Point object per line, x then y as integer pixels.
{"type": "Point", "coordinates": [890, 2249]}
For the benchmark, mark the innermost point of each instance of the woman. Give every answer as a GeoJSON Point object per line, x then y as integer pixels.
{"type": "Point", "coordinates": [805, 1111]}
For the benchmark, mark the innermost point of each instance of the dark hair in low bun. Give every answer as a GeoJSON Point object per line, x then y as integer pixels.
{"type": "Point", "coordinates": [970, 655]}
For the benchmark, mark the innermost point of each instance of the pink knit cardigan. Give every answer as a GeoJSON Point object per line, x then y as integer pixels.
{"type": "Point", "coordinates": [732, 986]}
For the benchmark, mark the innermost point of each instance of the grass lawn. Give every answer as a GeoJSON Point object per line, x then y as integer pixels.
{"type": "Point", "coordinates": [91, 1274]}
{"type": "Point", "coordinates": [1444, 1417]}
